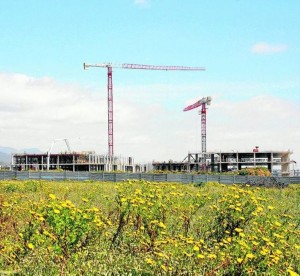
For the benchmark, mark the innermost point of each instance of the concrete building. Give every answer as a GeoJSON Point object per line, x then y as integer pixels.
{"type": "Point", "coordinates": [75, 161]}
{"type": "Point", "coordinates": [277, 162]}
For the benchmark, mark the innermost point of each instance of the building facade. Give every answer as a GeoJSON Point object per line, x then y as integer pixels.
{"type": "Point", "coordinates": [277, 162]}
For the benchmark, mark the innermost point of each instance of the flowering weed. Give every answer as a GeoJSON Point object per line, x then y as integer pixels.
{"type": "Point", "coordinates": [145, 228]}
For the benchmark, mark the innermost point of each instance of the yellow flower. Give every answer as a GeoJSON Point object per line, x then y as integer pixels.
{"type": "Point", "coordinates": [99, 224]}
{"type": "Point", "coordinates": [201, 241]}
{"type": "Point", "coordinates": [292, 273]}
{"type": "Point", "coordinates": [161, 225]}
{"type": "Point", "coordinates": [239, 260]}
{"type": "Point", "coordinates": [250, 256]}
{"type": "Point", "coordinates": [212, 256]}
{"type": "Point", "coordinates": [260, 209]}
{"type": "Point", "coordinates": [41, 218]}
{"type": "Point", "coordinates": [264, 252]}
{"type": "Point", "coordinates": [159, 254]}
{"type": "Point", "coordinates": [163, 267]}
{"type": "Point", "coordinates": [30, 246]}
{"type": "Point", "coordinates": [56, 211]}
{"type": "Point", "coordinates": [279, 252]}
{"type": "Point", "coordinates": [277, 223]}
{"type": "Point", "coordinates": [200, 256]}
{"type": "Point", "coordinates": [271, 207]}
{"type": "Point", "coordinates": [85, 199]}
{"type": "Point", "coordinates": [196, 248]}
{"type": "Point", "coordinates": [277, 235]}
{"type": "Point", "coordinates": [52, 196]}
{"type": "Point", "coordinates": [150, 261]}
{"type": "Point", "coordinates": [239, 230]}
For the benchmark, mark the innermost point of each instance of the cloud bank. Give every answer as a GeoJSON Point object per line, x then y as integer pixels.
{"type": "Point", "coordinates": [34, 111]}
{"type": "Point", "coordinates": [266, 48]}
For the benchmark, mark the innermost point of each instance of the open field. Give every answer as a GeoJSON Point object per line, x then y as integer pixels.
{"type": "Point", "coordinates": [140, 227]}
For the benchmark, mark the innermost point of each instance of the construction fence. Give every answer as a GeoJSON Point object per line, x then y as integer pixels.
{"type": "Point", "coordinates": [117, 177]}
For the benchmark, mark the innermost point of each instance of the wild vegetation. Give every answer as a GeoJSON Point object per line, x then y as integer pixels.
{"type": "Point", "coordinates": [255, 171]}
{"type": "Point", "coordinates": [147, 228]}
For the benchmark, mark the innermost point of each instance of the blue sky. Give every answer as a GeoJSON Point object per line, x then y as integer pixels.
{"type": "Point", "coordinates": [251, 51]}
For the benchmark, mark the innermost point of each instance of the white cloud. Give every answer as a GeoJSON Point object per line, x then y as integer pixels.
{"type": "Point", "coordinates": [141, 2]}
{"type": "Point", "coordinates": [148, 121]}
{"type": "Point", "coordinates": [266, 121]}
{"type": "Point", "coordinates": [34, 111]}
{"type": "Point", "coordinates": [266, 48]}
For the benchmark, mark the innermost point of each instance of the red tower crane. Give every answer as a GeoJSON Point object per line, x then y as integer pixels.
{"type": "Point", "coordinates": [109, 67]}
{"type": "Point", "coordinates": [203, 102]}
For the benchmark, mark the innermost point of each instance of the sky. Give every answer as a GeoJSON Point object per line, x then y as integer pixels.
{"type": "Point", "coordinates": [250, 50]}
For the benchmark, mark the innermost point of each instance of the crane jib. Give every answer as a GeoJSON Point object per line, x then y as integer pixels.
{"type": "Point", "coordinates": [160, 67]}
{"type": "Point", "coordinates": [190, 107]}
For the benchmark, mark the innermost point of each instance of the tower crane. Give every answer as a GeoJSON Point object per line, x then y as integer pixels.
{"type": "Point", "coordinates": [203, 102]}
{"type": "Point", "coordinates": [109, 67]}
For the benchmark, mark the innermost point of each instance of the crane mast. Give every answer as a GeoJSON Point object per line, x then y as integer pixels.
{"type": "Point", "coordinates": [110, 112]}
{"type": "Point", "coordinates": [109, 67]}
{"type": "Point", "coordinates": [203, 127]}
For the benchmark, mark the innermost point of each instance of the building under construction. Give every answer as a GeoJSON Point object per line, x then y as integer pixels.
{"type": "Point", "coordinates": [75, 161]}
{"type": "Point", "coordinates": [277, 162]}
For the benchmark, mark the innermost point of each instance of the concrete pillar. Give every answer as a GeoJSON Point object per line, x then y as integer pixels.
{"type": "Point", "coordinates": [212, 162]}
{"type": "Point", "coordinates": [73, 163]}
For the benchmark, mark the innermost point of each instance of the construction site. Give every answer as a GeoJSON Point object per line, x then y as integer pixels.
{"type": "Point", "coordinates": [275, 161]}
{"type": "Point", "coordinates": [75, 161]}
